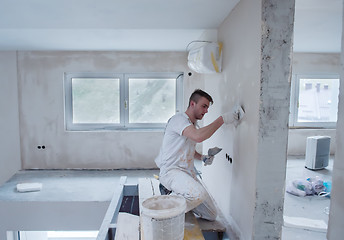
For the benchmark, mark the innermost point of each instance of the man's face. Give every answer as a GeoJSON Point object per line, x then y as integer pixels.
{"type": "Point", "coordinates": [201, 108]}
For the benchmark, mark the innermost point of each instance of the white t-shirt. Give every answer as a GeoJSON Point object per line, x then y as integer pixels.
{"type": "Point", "coordinates": [177, 151]}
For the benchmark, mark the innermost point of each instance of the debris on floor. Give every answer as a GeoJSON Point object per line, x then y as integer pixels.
{"type": "Point", "coordinates": [309, 186]}
{"type": "Point", "coordinates": [29, 187]}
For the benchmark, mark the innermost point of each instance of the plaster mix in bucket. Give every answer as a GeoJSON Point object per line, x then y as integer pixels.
{"type": "Point", "coordinates": [163, 217]}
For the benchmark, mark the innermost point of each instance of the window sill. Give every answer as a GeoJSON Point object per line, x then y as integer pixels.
{"type": "Point", "coordinates": [307, 127]}
{"type": "Point", "coordinates": [118, 130]}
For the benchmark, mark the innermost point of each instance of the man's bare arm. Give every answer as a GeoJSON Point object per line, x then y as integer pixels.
{"type": "Point", "coordinates": [198, 155]}
{"type": "Point", "coordinates": [201, 134]}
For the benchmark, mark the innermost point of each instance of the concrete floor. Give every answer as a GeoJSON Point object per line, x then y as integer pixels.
{"type": "Point", "coordinates": [70, 185]}
{"type": "Point", "coordinates": [81, 185]}
{"type": "Point", "coordinates": [310, 207]}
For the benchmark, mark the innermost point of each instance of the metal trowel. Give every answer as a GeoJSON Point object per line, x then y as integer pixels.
{"type": "Point", "coordinates": [213, 151]}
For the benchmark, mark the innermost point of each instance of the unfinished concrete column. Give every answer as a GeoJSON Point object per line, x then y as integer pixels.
{"type": "Point", "coordinates": [276, 47]}
{"type": "Point", "coordinates": [336, 218]}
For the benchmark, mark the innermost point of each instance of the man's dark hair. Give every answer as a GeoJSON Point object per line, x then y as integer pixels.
{"type": "Point", "coordinates": [197, 94]}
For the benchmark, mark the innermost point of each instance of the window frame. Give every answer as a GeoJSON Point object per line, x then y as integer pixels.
{"type": "Point", "coordinates": [124, 101]}
{"type": "Point", "coordinates": [294, 101]}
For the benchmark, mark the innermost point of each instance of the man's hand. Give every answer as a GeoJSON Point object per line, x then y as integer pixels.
{"type": "Point", "coordinates": [235, 116]}
{"type": "Point", "coordinates": [208, 160]}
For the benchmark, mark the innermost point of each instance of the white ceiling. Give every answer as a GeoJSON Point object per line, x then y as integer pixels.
{"type": "Point", "coordinates": [147, 25]}
{"type": "Point", "coordinates": [318, 25]}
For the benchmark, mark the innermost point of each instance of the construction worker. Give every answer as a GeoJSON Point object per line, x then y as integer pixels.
{"type": "Point", "coordinates": [176, 157]}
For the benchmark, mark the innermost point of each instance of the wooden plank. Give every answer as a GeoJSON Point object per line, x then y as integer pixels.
{"type": "Point", "coordinates": [148, 187]}
{"type": "Point", "coordinates": [192, 230]}
{"type": "Point", "coordinates": [112, 210]}
{"type": "Point", "coordinates": [127, 227]}
{"type": "Point", "coordinates": [155, 186]}
{"type": "Point", "coordinates": [145, 190]}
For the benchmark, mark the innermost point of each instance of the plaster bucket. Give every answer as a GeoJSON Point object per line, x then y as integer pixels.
{"type": "Point", "coordinates": [163, 217]}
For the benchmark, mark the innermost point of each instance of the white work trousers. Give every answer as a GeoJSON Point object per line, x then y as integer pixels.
{"type": "Point", "coordinates": [197, 198]}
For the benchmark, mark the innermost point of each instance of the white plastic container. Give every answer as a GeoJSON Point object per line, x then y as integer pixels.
{"type": "Point", "coordinates": [163, 217]}
{"type": "Point", "coordinates": [317, 152]}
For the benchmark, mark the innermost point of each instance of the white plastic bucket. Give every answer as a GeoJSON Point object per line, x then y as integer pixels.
{"type": "Point", "coordinates": [163, 217]}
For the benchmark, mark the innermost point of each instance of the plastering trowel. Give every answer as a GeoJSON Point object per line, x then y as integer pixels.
{"type": "Point", "coordinates": [213, 151]}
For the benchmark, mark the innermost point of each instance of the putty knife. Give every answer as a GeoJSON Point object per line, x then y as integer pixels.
{"type": "Point", "coordinates": [213, 151]}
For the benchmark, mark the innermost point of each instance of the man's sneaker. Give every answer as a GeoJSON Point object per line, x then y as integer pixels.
{"type": "Point", "coordinates": [163, 190]}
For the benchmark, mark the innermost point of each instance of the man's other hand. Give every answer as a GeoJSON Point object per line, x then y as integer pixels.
{"type": "Point", "coordinates": [208, 160]}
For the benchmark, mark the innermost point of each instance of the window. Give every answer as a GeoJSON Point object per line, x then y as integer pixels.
{"type": "Point", "coordinates": [95, 101]}
{"type": "Point", "coordinates": [314, 101]}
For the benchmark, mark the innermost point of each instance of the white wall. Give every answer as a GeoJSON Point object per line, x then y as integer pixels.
{"type": "Point", "coordinates": [9, 120]}
{"type": "Point", "coordinates": [256, 73]}
{"type": "Point", "coordinates": [297, 139]}
{"type": "Point", "coordinates": [41, 104]}
{"type": "Point", "coordinates": [312, 63]}
{"type": "Point", "coordinates": [233, 185]}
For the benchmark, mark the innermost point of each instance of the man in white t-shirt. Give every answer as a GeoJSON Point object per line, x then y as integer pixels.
{"type": "Point", "coordinates": [177, 153]}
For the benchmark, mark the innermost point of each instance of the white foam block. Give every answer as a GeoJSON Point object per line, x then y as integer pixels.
{"type": "Point", "coordinates": [29, 187]}
{"type": "Point", "coordinates": [305, 223]}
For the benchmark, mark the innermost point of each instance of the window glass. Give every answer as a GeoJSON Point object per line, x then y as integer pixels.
{"type": "Point", "coordinates": [314, 101]}
{"type": "Point", "coordinates": [95, 100]}
{"type": "Point", "coordinates": [318, 100]}
{"type": "Point", "coordinates": [111, 101]}
{"type": "Point", "coordinates": [151, 100]}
